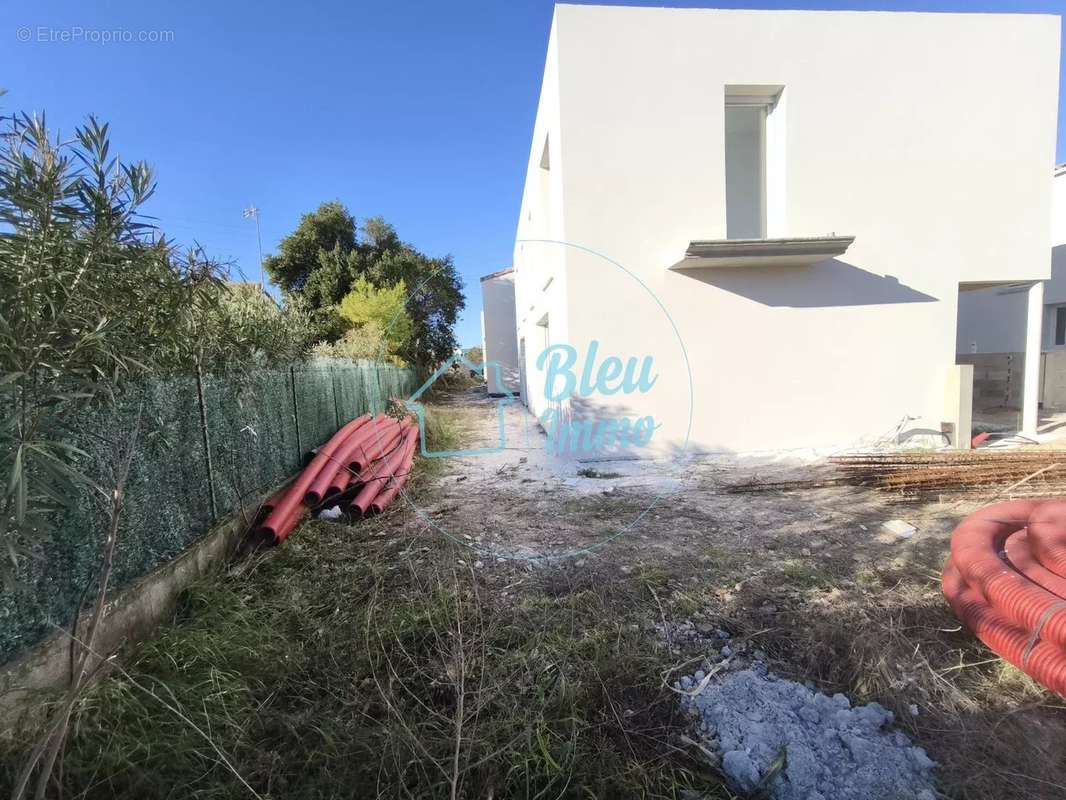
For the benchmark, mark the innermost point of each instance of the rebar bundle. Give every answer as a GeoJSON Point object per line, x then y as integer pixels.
{"type": "Point", "coordinates": [928, 475]}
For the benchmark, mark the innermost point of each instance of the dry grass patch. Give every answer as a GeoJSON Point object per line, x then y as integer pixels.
{"type": "Point", "coordinates": [381, 665]}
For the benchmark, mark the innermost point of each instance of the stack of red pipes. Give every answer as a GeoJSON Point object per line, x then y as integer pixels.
{"type": "Point", "coordinates": [364, 464]}
{"type": "Point", "coordinates": [1006, 580]}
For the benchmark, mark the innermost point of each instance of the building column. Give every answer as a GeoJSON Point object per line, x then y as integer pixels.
{"type": "Point", "coordinates": [1034, 326]}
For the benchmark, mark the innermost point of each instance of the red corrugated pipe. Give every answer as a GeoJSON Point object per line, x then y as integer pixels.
{"type": "Point", "coordinates": [345, 475]}
{"type": "Point", "coordinates": [396, 483]}
{"type": "Point", "coordinates": [376, 475]}
{"type": "Point", "coordinates": [288, 509]}
{"type": "Point", "coordinates": [375, 448]}
{"type": "Point", "coordinates": [376, 454]}
{"type": "Point", "coordinates": [1006, 580]}
{"type": "Point", "coordinates": [319, 487]}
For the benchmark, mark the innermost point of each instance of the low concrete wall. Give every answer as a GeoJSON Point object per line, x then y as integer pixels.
{"type": "Point", "coordinates": [958, 405]}
{"type": "Point", "coordinates": [997, 378]}
{"type": "Point", "coordinates": [131, 615]}
{"type": "Point", "coordinates": [1053, 380]}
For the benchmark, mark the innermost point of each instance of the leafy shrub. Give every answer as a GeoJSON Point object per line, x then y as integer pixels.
{"type": "Point", "coordinates": [247, 327]}
{"type": "Point", "coordinates": [94, 296]}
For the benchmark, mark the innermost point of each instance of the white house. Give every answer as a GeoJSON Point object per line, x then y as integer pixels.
{"type": "Point", "coordinates": [992, 324]}
{"type": "Point", "coordinates": [499, 343]}
{"type": "Point", "coordinates": [774, 212]}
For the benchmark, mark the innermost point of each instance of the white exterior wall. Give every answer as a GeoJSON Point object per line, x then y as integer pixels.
{"type": "Point", "coordinates": [992, 320]}
{"type": "Point", "coordinates": [926, 136]}
{"type": "Point", "coordinates": [539, 259]}
{"type": "Point", "coordinates": [1055, 289]}
{"type": "Point", "coordinates": [499, 344]}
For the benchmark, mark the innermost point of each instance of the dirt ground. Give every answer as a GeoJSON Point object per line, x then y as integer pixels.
{"type": "Point", "coordinates": [1006, 421]}
{"type": "Point", "coordinates": [514, 626]}
{"type": "Point", "coordinates": [523, 503]}
{"type": "Point", "coordinates": [808, 577]}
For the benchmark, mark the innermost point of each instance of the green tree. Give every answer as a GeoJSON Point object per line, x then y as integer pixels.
{"type": "Point", "coordinates": [363, 343]}
{"type": "Point", "coordinates": [316, 280]}
{"type": "Point", "coordinates": [330, 227]}
{"type": "Point", "coordinates": [386, 308]}
{"type": "Point", "coordinates": [435, 294]}
{"type": "Point", "coordinates": [474, 355]}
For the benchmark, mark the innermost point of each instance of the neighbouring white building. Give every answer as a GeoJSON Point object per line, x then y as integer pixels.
{"type": "Point", "coordinates": [499, 342]}
{"type": "Point", "coordinates": [775, 211]}
{"type": "Point", "coordinates": [992, 326]}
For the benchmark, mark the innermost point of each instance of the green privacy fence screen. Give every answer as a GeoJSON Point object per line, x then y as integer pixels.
{"type": "Point", "coordinates": [207, 446]}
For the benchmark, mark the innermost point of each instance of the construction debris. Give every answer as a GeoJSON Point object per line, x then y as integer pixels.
{"type": "Point", "coordinates": [779, 739]}
{"type": "Point", "coordinates": [362, 468]}
{"type": "Point", "coordinates": [1006, 580]}
{"type": "Point", "coordinates": [898, 529]}
{"type": "Point", "coordinates": [940, 475]}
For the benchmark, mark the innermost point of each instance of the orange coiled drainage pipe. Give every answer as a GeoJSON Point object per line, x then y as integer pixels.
{"type": "Point", "coordinates": [1006, 581]}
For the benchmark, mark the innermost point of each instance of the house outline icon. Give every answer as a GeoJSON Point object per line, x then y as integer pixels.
{"type": "Point", "coordinates": [418, 409]}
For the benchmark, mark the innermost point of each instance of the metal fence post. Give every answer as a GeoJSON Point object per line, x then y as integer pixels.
{"type": "Point", "coordinates": [296, 414]}
{"type": "Point", "coordinates": [336, 408]}
{"type": "Point", "coordinates": [207, 442]}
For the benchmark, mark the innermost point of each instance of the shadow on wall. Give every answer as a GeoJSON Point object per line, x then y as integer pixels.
{"type": "Point", "coordinates": [822, 285]}
{"type": "Point", "coordinates": [1058, 259]}
{"type": "Point", "coordinates": [673, 444]}
{"type": "Point", "coordinates": [590, 413]}
{"type": "Point", "coordinates": [510, 378]}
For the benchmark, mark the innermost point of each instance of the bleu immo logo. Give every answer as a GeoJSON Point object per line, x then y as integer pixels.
{"type": "Point", "coordinates": [564, 383]}
{"type": "Point", "coordinates": [612, 375]}
{"type": "Point", "coordinates": [415, 407]}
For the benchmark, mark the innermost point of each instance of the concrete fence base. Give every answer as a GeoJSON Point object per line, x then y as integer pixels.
{"type": "Point", "coordinates": [132, 615]}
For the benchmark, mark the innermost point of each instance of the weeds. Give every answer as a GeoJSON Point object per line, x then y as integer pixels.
{"type": "Point", "coordinates": [447, 426]}
{"type": "Point", "coordinates": [374, 660]}
{"type": "Point", "coordinates": [893, 640]}
{"type": "Point", "coordinates": [335, 663]}
{"type": "Point", "coordinates": [589, 472]}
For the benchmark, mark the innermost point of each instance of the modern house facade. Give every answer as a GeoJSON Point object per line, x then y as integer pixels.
{"type": "Point", "coordinates": [499, 343]}
{"type": "Point", "coordinates": [992, 326]}
{"type": "Point", "coordinates": [774, 212]}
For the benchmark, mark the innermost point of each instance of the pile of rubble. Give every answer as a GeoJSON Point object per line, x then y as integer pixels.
{"type": "Point", "coordinates": [789, 742]}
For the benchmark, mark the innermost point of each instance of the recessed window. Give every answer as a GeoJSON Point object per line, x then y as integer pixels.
{"type": "Point", "coordinates": [1060, 325]}
{"type": "Point", "coordinates": [747, 119]}
{"type": "Point", "coordinates": [745, 172]}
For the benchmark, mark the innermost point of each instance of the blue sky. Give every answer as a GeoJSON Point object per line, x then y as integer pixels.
{"type": "Point", "coordinates": [417, 111]}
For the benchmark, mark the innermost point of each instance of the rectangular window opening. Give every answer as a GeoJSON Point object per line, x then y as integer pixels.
{"type": "Point", "coordinates": [745, 170]}
{"type": "Point", "coordinates": [748, 160]}
{"type": "Point", "coordinates": [1060, 325]}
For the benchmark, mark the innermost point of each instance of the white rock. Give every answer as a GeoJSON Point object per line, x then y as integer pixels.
{"type": "Point", "coordinates": [899, 528]}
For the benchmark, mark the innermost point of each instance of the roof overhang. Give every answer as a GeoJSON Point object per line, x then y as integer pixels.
{"type": "Point", "coordinates": [788, 252]}
{"type": "Point", "coordinates": [1002, 287]}
{"type": "Point", "coordinates": [497, 274]}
